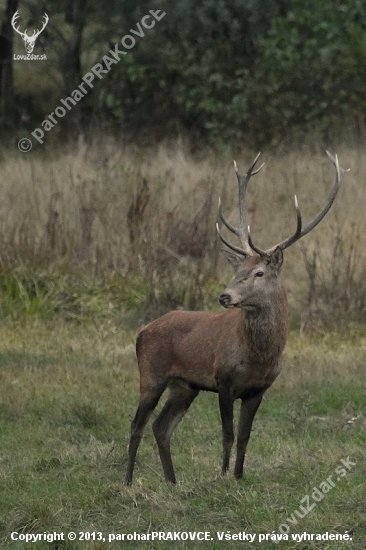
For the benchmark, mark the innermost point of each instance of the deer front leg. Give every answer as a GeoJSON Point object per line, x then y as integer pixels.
{"type": "Point", "coordinates": [226, 403]}
{"type": "Point", "coordinates": [248, 409]}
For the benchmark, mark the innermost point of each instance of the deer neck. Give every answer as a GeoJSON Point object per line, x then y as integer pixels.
{"type": "Point", "coordinates": [265, 327]}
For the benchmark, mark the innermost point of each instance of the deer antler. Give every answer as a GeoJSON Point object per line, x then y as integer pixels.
{"type": "Point", "coordinates": [37, 33]}
{"type": "Point", "coordinates": [13, 21]}
{"type": "Point", "coordinates": [242, 231]}
{"type": "Point", "coordinates": [300, 232]}
{"type": "Point", "coordinates": [24, 34]}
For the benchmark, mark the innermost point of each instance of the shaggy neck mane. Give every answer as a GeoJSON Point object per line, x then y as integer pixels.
{"type": "Point", "coordinates": [266, 327]}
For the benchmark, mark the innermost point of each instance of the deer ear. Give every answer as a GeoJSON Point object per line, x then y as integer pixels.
{"type": "Point", "coordinates": [234, 259]}
{"type": "Point", "coordinates": [276, 259]}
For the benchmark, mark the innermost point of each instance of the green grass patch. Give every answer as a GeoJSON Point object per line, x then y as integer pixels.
{"type": "Point", "coordinates": [67, 395]}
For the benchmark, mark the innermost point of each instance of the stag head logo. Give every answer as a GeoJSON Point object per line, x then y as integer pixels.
{"type": "Point", "coordinates": [29, 41]}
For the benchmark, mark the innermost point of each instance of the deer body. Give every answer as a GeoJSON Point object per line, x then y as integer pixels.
{"type": "Point", "coordinates": [200, 348]}
{"type": "Point", "coordinates": [235, 353]}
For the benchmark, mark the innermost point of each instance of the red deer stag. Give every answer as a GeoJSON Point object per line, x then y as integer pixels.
{"type": "Point", "coordinates": [235, 353]}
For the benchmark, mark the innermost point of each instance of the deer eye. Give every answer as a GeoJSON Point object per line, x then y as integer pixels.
{"type": "Point", "coordinates": [259, 274]}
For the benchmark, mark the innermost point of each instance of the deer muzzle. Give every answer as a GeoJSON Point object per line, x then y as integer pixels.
{"type": "Point", "coordinates": [225, 300]}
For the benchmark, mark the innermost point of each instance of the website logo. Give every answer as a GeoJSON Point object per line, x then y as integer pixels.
{"type": "Point", "coordinates": [29, 41]}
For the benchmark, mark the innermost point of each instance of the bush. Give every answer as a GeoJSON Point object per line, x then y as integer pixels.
{"type": "Point", "coordinates": [222, 72]}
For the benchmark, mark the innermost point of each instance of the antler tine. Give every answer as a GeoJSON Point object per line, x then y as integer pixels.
{"type": "Point", "coordinates": [299, 233]}
{"type": "Point", "coordinates": [224, 221]}
{"type": "Point", "coordinates": [232, 246]}
{"type": "Point", "coordinates": [46, 19]}
{"type": "Point", "coordinates": [15, 16]}
{"type": "Point", "coordinates": [250, 171]}
{"type": "Point", "coordinates": [243, 183]}
{"type": "Point", "coordinates": [340, 171]}
{"type": "Point", "coordinates": [14, 21]}
{"type": "Point", "coordinates": [241, 231]}
{"type": "Point", "coordinates": [37, 33]}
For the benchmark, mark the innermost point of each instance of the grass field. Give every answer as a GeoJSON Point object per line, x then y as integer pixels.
{"type": "Point", "coordinates": [68, 393]}
{"type": "Point", "coordinates": [97, 239]}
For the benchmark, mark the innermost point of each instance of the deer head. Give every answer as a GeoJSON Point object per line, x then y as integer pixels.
{"type": "Point", "coordinates": [28, 40]}
{"type": "Point", "coordinates": [256, 281]}
{"type": "Point", "coordinates": [255, 272]}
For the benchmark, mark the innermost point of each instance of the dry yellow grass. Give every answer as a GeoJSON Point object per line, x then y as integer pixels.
{"type": "Point", "coordinates": [111, 209]}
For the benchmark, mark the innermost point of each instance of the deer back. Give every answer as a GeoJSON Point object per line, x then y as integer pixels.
{"type": "Point", "coordinates": [248, 337]}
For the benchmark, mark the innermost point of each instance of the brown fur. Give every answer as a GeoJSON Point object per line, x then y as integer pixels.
{"type": "Point", "coordinates": [235, 353]}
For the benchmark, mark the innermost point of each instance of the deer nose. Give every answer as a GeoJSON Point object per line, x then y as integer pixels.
{"type": "Point", "coordinates": [224, 299]}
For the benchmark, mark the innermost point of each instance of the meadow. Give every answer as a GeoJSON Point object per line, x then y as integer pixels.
{"type": "Point", "coordinates": [96, 241]}
{"type": "Point", "coordinates": [69, 393]}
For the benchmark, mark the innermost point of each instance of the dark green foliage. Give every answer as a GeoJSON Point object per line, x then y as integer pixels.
{"type": "Point", "coordinates": [244, 71]}
{"type": "Point", "coordinates": [219, 71]}
{"type": "Point", "coordinates": [308, 67]}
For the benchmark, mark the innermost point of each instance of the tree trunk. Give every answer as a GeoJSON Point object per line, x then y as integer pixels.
{"type": "Point", "coordinates": [70, 59]}
{"type": "Point", "coordinates": [7, 107]}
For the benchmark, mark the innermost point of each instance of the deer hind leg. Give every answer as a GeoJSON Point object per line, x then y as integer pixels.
{"type": "Point", "coordinates": [226, 403]}
{"type": "Point", "coordinates": [146, 406]}
{"type": "Point", "coordinates": [176, 406]}
{"type": "Point", "coordinates": [248, 409]}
